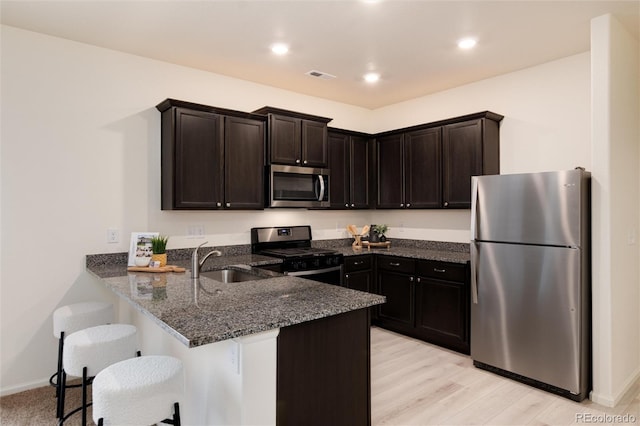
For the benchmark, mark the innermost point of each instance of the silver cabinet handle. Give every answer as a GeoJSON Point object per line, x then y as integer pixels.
{"type": "Point", "coordinates": [228, 204]}
{"type": "Point", "coordinates": [446, 203]}
{"type": "Point", "coordinates": [218, 204]}
{"type": "Point", "coordinates": [439, 270]}
{"type": "Point", "coordinates": [298, 161]}
{"type": "Point", "coordinates": [418, 279]}
{"type": "Point", "coordinates": [401, 204]}
{"type": "Point", "coordinates": [347, 276]}
{"type": "Point", "coordinates": [358, 263]}
{"type": "Point", "coordinates": [353, 205]}
{"type": "Point", "coordinates": [346, 205]}
{"type": "Point", "coordinates": [394, 264]}
{"type": "Point", "coordinates": [305, 162]}
{"type": "Point", "coordinates": [411, 279]}
{"type": "Point", "coordinates": [408, 204]}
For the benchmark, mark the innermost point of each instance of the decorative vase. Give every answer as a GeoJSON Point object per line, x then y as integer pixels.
{"type": "Point", "coordinates": [162, 258]}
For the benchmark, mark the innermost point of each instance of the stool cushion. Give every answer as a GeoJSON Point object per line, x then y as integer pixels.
{"type": "Point", "coordinates": [98, 347]}
{"type": "Point", "coordinates": [138, 391]}
{"type": "Point", "coordinates": [75, 317]}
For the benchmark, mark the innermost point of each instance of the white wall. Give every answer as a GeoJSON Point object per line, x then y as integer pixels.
{"type": "Point", "coordinates": [80, 153]}
{"type": "Point", "coordinates": [616, 212]}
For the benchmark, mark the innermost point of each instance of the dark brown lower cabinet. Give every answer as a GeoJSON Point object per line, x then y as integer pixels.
{"type": "Point", "coordinates": [442, 305]}
{"type": "Point", "coordinates": [426, 299]}
{"type": "Point", "coordinates": [323, 375]}
{"type": "Point", "coordinates": [358, 273]}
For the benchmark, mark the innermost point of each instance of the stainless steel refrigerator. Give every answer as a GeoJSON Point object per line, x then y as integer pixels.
{"type": "Point", "coordinates": [531, 279]}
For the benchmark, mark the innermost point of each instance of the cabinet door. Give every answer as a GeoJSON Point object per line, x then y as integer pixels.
{"type": "Point", "coordinates": [462, 158]}
{"type": "Point", "coordinates": [339, 167]}
{"type": "Point", "coordinates": [390, 172]}
{"type": "Point", "coordinates": [442, 313]}
{"type": "Point", "coordinates": [244, 163]}
{"type": "Point", "coordinates": [314, 144]}
{"type": "Point", "coordinates": [398, 289]}
{"type": "Point", "coordinates": [284, 140]}
{"type": "Point", "coordinates": [360, 280]}
{"type": "Point", "coordinates": [198, 160]}
{"type": "Point", "coordinates": [359, 172]}
{"type": "Point", "coordinates": [423, 170]}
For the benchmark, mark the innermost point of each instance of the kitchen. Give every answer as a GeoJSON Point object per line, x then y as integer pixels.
{"type": "Point", "coordinates": [80, 159]}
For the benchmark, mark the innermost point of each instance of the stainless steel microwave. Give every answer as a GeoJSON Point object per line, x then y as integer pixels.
{"type": "Point", "coordinates": [293, 186]}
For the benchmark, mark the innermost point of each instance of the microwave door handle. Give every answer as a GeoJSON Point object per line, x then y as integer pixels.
{"type": "Point", "coordinates": [321, 180]}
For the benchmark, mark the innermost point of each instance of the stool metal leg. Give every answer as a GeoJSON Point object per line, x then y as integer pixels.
{"type": "Point", "coordinates": [62, 381]}
{"type": "Point", "coordinates": [59, 373]}
{"type": "Point", "coordinates": [84, 396]}
{"type": "Point", "coordinates": [175, 420]}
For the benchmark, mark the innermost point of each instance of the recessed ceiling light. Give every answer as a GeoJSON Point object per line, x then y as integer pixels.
{"type": "Point", "coordinates": [467, 43]}
{"type": "Point", "coordinates": [280, 48]}
{"type": "Point", "coordinates": [371, 77]}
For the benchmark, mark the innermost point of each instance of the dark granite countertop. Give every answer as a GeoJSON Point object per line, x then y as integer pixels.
{"type": "Point", "coordinates": [203, 311]}
{"type": "Point", "coordinates": [207, 311]}
{"type": "Point", "coordinates": [415, 249]}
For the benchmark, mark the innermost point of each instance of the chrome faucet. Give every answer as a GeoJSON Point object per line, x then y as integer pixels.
{"type": "Point", "coordinates": [196, 263]}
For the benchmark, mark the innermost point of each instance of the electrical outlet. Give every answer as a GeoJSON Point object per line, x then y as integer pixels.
{"type": "Point", "coordinates": [113, 236]}
{"type": "Point", "coordinates": [234, 356]}
{"type": "Point", "coordinates": [195, 231]}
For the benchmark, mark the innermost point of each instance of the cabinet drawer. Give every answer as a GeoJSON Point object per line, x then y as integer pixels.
{"type": "Point", "coordinates": [441, 270]}
{"type": "Point", "coordinates": [397, 264]}
{"type": "Point", "coordinates": [357, 263]}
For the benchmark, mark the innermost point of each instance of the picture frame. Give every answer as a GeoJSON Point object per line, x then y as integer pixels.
{"type": "Point", "coordinates": [140, 245]}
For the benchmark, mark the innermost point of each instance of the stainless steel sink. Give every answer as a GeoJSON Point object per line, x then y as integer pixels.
{"type": "Point", "coordinates": [231, 276]}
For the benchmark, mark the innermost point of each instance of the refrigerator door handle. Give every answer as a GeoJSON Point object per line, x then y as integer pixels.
{"type": "Point", "coordinates": [474, 277]}
{"type": "Point", "coordinates": [474, 209]}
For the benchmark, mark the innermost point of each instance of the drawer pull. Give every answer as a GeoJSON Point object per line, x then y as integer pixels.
{"type": "Point", "coordinates": [358, 263]}
{"type": "Point", "coordinates": [439, 270]}
{"type": "Point", "coordinates": [394, 264]}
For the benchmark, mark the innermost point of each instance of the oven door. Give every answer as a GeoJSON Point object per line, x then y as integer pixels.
{"type": "Point", "coordinates": [292, 186]}
{"type": "Point", "coordinates": [326, 275]}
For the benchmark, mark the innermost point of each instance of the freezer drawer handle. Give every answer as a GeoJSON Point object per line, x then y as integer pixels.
{"type": "Point", "coordinates": [439, 270]}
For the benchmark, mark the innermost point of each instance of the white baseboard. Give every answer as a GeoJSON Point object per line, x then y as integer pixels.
{"type": "Point", "coordinates": [24, 387]}
{"type": "Point", "coordinates": [613, 400]}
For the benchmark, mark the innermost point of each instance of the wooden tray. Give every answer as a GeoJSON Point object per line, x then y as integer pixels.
{"type": "Point", "coordinates": [167, 268]}
{"type": "Point", "coordinates": [368, 245]}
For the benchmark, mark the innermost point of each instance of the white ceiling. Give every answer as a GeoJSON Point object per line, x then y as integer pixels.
{"type": "Point", "coordinates": [412, 44]}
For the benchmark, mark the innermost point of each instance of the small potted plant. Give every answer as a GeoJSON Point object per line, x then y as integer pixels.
{"type": "Point", "coordinates": [159, 249]}
{"type": "Point", "coordinates": [381, 230]}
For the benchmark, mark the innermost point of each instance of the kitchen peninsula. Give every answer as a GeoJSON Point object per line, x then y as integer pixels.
{"type": "Point", "coordinates": [275, 349]}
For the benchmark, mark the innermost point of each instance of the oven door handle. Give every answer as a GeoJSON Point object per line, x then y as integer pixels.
{"type": "Point", "coordinates": [312, 272]}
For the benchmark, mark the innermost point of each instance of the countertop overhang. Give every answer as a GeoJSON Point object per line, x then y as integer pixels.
{"type": "Point", "coordinates": [202, 311]}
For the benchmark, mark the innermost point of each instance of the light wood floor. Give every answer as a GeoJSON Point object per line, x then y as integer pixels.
{"type": "Point", "coordinates": [415, 383]}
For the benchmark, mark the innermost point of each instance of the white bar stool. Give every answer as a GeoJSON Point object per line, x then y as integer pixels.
{"type": "Point", "coordinates": [89, 351]}
{"type": "Point", "coordinates": [71, 318]}
{"type": "Point", "coordinates": [139, 391]}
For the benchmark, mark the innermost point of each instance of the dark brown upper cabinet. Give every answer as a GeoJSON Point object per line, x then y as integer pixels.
{"type": "Point", "coordinates": [430, 166]}
{"type": "Point", "coordinates": [212, 158]}
{"type": "Point", "coordinates": [350, 171]}
{"type": "Point", "coordinates": [295, 138]}
{"type": "Point", "coordinates": [409, 170]}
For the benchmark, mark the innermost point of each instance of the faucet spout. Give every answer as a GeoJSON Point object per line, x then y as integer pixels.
{"type": "Point", "coordinates": [196, 263]}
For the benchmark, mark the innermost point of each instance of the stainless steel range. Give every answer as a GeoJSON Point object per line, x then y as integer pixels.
{"type": "Point", "coordinates": [292, 244]}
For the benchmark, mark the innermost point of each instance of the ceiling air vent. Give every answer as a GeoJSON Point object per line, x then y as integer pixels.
{"type": "Point", "coordinates": [320, 74]}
